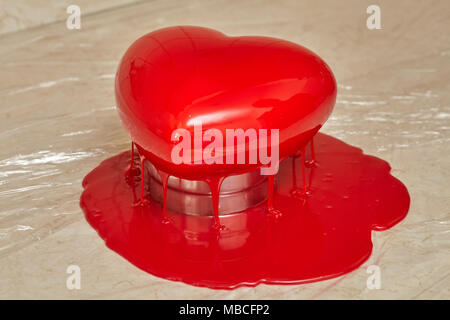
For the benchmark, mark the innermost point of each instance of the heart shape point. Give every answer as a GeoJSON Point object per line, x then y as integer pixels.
{"type": "Point", "coordinates": [175, 77]}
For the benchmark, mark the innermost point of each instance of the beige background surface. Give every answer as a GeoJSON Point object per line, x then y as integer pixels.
{"type": "Point", "coordinates": [58, 121]}
{"type": "Point", "coordinates": [18, 15]}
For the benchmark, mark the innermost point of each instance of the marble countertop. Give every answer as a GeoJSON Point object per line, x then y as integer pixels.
{"type": "Point", "coordinates": [58, 121]}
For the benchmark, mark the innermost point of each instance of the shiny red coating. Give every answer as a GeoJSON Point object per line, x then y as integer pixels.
{"type": "Point", "coordinates": [174, 77]}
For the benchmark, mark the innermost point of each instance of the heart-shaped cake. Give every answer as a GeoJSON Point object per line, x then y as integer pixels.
{"type": "Point", "coordinates": [176, 77]}
{"type": "Point", "coordinates": [313, 224]}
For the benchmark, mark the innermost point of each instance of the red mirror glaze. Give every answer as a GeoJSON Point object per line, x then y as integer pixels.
{"type": "Point", "coordinates": [318, 237]}
{"type": "Point", "coordinates": [171, 77]}
{"type": "Point", "coordinates": [318, 217]}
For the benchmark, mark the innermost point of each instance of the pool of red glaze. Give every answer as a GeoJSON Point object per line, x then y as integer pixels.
{"type": "Point", "coordinates": [321, 235]}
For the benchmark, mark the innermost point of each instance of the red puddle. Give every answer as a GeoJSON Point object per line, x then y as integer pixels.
{"type": "Point", "coordinates": [318, 236]}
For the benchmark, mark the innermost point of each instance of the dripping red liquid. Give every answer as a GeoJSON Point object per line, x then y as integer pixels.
{"type": "Point", "coordinates": [322, 234]}
{"type": "Point", "coordinates": [164, 178]}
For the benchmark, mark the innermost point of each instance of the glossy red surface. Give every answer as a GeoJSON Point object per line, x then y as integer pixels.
{"type": "Point", "coordinates": [322, 235]}
{"type": "Point", "coordinates": [173, 77]}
